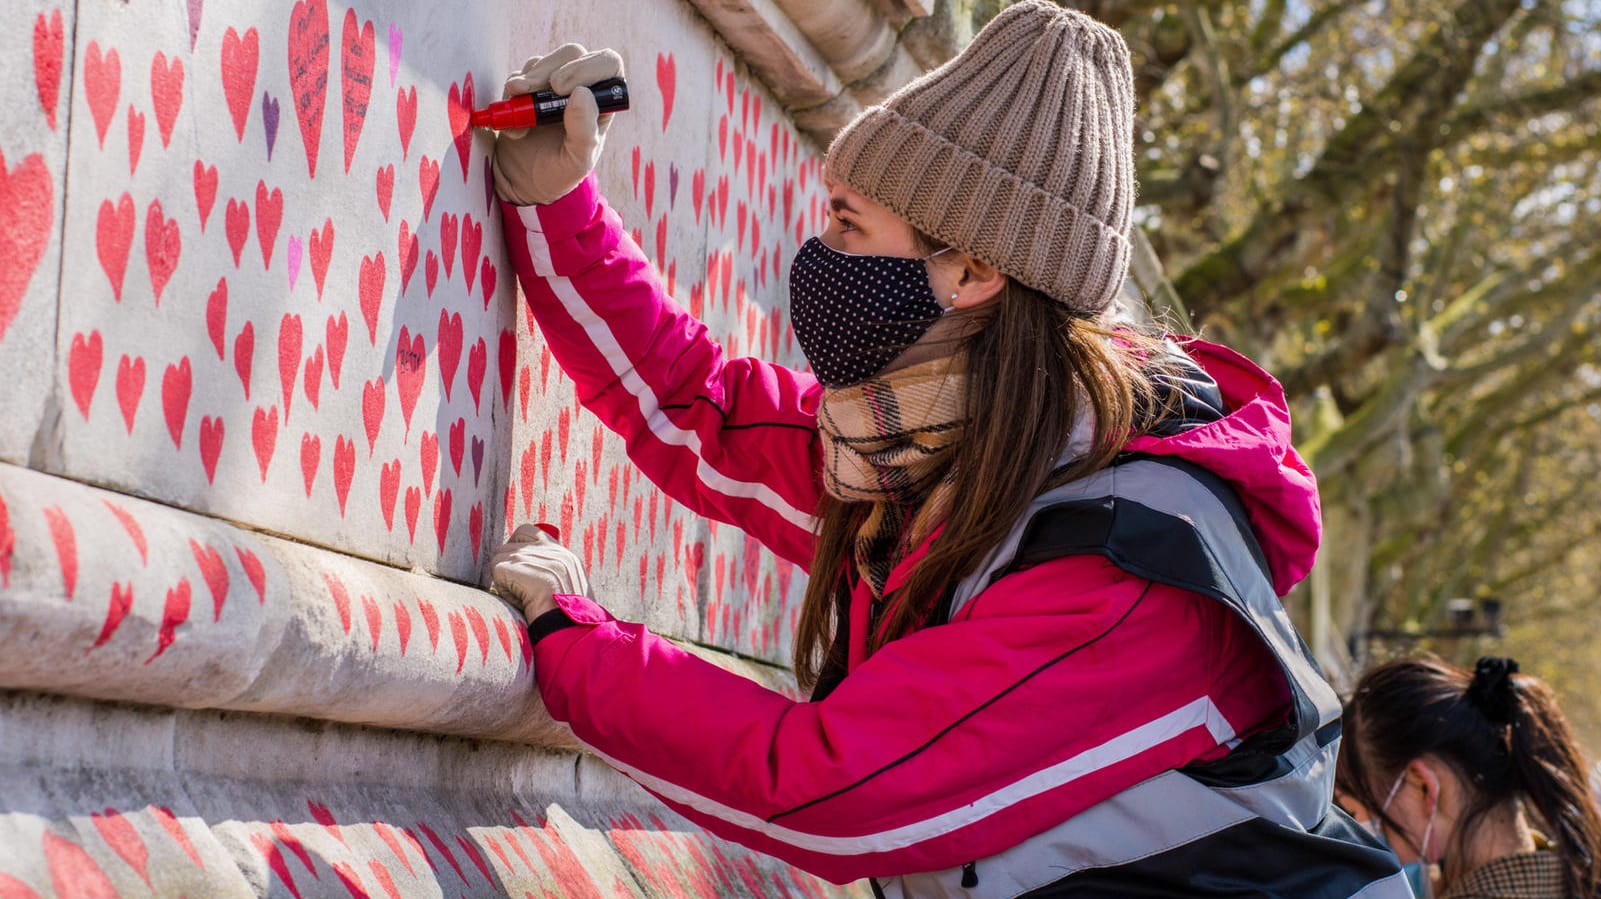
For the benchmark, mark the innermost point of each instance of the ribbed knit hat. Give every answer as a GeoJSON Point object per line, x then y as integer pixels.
{"type": "Point", "coordinates": [1019, 152]}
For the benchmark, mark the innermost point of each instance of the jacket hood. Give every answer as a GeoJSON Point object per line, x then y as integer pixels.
{"type": "Point", "coordinates": [1249, 447]}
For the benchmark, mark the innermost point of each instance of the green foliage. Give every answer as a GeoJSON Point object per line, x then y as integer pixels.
{"type": "Point", "coordinates": [1396, 206]}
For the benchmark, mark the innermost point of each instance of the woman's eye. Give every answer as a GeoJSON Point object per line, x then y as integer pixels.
{"type": "Point", "coordinates": [846, 224]}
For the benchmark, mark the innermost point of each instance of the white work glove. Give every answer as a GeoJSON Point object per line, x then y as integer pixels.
{"type": "Point", "coordinates": [532, 568]}
{"type": "Point", "coordinates": [541, 165]}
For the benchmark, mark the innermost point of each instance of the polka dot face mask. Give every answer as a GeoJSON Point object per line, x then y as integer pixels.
{"type": "Point", "coordinates": [854, 314]}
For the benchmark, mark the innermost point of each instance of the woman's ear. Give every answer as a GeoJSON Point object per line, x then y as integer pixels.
{"type": "Point", "coordinates": [1422, 772]}
{"type": "Point", "coordinates": [980, 283]}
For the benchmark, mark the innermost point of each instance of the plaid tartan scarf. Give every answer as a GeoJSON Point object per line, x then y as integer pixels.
{"type": "Point", "coordinates": [888, 442]}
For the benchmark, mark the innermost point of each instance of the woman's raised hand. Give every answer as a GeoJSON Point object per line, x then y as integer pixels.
{"type": "Point", "coordinates": [540, 165]}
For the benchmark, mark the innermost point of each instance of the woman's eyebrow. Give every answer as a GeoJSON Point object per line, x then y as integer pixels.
{"type": "Point", "coordinates": [839, 204]}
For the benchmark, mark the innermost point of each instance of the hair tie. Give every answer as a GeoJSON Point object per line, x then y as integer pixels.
{"type": "Point", "coordinates": [1491, 690]}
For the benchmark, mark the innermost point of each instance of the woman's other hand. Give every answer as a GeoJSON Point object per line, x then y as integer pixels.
{"type": "Point", "coordinates": [532, 568]}
{"type": "Point", "coordinates": [540, 165]}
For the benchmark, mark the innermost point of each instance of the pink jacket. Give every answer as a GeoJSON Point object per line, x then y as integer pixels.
{"type": "Point", "coordinates": [1058, 687]}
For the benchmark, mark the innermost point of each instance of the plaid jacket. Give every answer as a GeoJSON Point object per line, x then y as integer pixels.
{"type": "Point", "coordinates": [1525, 875]}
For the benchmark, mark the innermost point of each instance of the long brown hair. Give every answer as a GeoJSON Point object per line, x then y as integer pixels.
{"type": "Point", "coordinates": [1031, 364]}
{"type": "Point", "coordinates": [1502, 732]}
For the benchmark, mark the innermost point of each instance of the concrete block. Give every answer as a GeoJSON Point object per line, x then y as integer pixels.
{"type": "Point", "coordinates": [33, 163]}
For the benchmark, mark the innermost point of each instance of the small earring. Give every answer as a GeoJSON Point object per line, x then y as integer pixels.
{"type": "Point", "coordinates": [953, 297]}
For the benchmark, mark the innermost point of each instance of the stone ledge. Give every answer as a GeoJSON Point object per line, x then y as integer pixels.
{"type": "Point", "coordinates": [139, 802]}
{"type": "Point", "coordinates": [110, 597]}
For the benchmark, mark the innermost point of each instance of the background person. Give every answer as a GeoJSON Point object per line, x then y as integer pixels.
{"type": "Point", "coordinates": [1475, 774]}
{"type": "Point", "coordinates": [1042, 624]}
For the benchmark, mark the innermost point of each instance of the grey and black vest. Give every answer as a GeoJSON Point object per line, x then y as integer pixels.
{"type": "Point", "coordinates": [1260, 821]}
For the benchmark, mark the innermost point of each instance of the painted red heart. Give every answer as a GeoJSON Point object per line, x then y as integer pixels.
{"type": "Point", "coordinates": [244, 355]}
{"type": "Point", "coordinates": [372, 410]}
{"type": "Point", "coordinates": [413, 506]}
{"type": "Point", "coordinates": [428, 460]}
{"type": "Point", "coordinates": [371, 291]}
{"type": "Point", "coordinates": [388, 490]}
{"type": "Point", "coordinates": [308, 72]}
{"type": "Point", "coordinates": [428, 183]}
{"type": "Point", "coordinates": [458, 634]}
{"type": "Point", "coordinates": [312, 382]}
{"type": "Point", "coordinates": [113, 240]}
{"type": "Point", "coordinates": [136, 138]}
{"type": "Point", "coordinates": [27, 195]}
{"type": "Point", "coordinates": [650, 187]}
{"type": "Point", "coordinates": [66, 542]}
{"type": "Point", "coordinates": [166, 93]}
{"type": "Point", "coordinates": [477, 365]}
{"type": "Point", "coordinates": [83, 368]}
{"type": "Point", "coordinates": [236, 222]}
{"type": "Point", "coordinates": [335, 334]}
{"type": "Point", "coordinates": [449, 346]}
{"type": "Point", "coordinates": [431, 272]}
{"type": "Point", "coordinates": [289, 336]}
{"type": "Point", "coordinates": [254, 572]}
{"type": "Point", "coordinates": [430, 622]}
{"type": "Point", "coordinates": [406, 117]}
{"type": "Point", "coordinates": [697, 192]}
{"type": "Point", "coordinates": [448, 224]}
{"type": "Point", "coordinates": [344, 469]}
{"type": "Point", "coordinates": [264, 436]}
{"type": "Point", "coordinates": [459, 107]}
{"type": "Point", "coordinates": [48, 41]}
{"type": "Point", "coordinates": [667, 83]}
{"type": "Point", "coordinates": [130, 387]}
{"type": "Point", "coordinates": [369, 607]}
{"type": "Point", "coordinates": [386, 188]}
{"type": "Point", "coordinates": [480, 632]}
{"type": "Point", "coordinates": [356, 62]}
{"type": "Point", "coordinates": [131, 526]}
{"type": "Point", "coordinates": [525, 387]}
{"type": "Point", "coordinates": [310, 459]}
{"type": "Point", "coordinates": [176, 386]}
{"type": "Point", "coordinates": [116, 611]}
{"type": "Point", "coordinates": [173, 613]}
{"type": "Point", "coordinates": [240, 59]}
{"type": "Point", "coordinates": [526, 482]}
{"type": "Point", "coordinates": [215, 573]}
{"type": "Point", "coordinates": [341, 597]}
{"type": "Point", "coordinates": [407, 248]}
{"type": "Point", "coordinates": [508, 366]}
{"type": "Point", "coordinates": [321, 251]}
{"type": "Point", "coordinates": [123, 840]}
{"type": "Point", "coordinates": [472, 240]}
{"type": "Point", "coordinates": [458, 444]}
{"type": "Point", "coordinates": [403, 628]}
{"type": "Point", "coordinates": [269, 214]}
{"type": "Point", "coordinates": [102, 82]}
{"type": "Point", "coordinates": [411, 364]}
{"type": "Point", "coordinates": [487, 276]}
{"type": "Point", "coordinates": [163, 245]}
{"type": "Point", "coordinates": [169, 823]}
{"type": "Point", "coordinates": [442, 502]}
{"type": "Point", "coordinates": [212, 432]}
{"type": "Point", "coordinates": [217, 317]}
{"type": "Point", "coordinates": [205, 178]}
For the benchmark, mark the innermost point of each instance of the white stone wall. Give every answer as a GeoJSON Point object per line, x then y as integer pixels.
{"type": "Point", "coordinates": [270, 399]}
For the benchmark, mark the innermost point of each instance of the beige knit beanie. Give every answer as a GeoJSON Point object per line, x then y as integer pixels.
{"type": "Point", "coordinates": [1019, 151]}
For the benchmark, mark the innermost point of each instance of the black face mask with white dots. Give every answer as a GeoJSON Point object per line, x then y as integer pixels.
{"type": "Point", "coordinates": [854, 314]}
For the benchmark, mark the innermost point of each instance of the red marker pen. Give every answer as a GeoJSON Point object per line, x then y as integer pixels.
{"type": "Point", "coordinates": [546, 107]}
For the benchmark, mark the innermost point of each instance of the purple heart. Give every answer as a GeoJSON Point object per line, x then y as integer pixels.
{"type": "Point", "coordinates": [672, 184]}
{"type": "Point", "coordinates": [194, 21]}
{"type": "Point", "coordinates": [478, 458]}
{"type": "Point", "coordinates": [394, 53]}
{"type": "Point", "coordinates": [269, 118]}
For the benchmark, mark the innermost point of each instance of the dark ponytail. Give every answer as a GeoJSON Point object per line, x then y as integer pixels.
{"type": "Point", "coordinates": [1550, 772]}
{"type": "Point", "coordinates": [1502, 732]}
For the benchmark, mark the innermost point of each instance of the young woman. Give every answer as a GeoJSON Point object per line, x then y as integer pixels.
{"type": "Point", "coordinates": [1041, 627]}
{"type": "Point", "coordinates": [1450, 766]}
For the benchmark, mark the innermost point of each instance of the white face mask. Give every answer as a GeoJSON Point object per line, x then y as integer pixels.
{"type": "Point", "coordinates": [1417, 872]}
